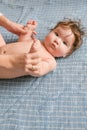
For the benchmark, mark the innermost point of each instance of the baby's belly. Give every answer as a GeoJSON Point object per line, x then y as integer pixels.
{"type": "Point", "coordinates": [15, 48]}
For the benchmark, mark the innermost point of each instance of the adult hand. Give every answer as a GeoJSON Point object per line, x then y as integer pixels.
{"type": "Point", "coordinates": [24, 62]}
{"type": "Point", "coordinates": [11, 26]}
{"type": "Point", "coordinates": [12, 66]}
{"type": "Point", "coordinates": [21, 29]}
{"type": "Point", "coordinates": [16, 28]}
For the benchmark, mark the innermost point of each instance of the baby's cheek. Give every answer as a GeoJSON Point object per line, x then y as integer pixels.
{"type": "Point", "coordinates": [64, 50]}
{"type": "Point", "coordinates": [48, 38]}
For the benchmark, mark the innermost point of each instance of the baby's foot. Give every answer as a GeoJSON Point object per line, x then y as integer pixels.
{"type": "Point", "coordinates": [30, 28]}
{"type": "Point", "coordinates": [32, 24]}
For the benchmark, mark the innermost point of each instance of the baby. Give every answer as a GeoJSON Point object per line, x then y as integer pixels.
{"type": "Point", "coordinates": [61, 41]}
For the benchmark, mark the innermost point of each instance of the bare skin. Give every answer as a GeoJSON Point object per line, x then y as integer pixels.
{"type": "Point", "coordinates": [56, 44]}
{"type": "Point", "coordinates": [26, 44]}
{"type": "Point", "coordinates": [15, 65]}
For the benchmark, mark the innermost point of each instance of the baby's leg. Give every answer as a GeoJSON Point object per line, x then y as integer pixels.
{"type": "Point", "coordinates": [2, 42]}
{"type": "Point", "coordinates": [16, 48]}
{"type": "Point", "coordinates": [25, 37]}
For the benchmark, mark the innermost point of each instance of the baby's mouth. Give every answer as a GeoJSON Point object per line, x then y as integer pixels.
{"type": "Point", "coordinates": [52, 46]}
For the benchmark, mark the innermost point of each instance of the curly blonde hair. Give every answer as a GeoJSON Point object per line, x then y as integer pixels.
{"type": "Point", "coordinates": [78, 32]}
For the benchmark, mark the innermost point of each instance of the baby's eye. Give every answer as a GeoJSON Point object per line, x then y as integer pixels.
{"type": "Point", "coordinates": [56, 34]}
{"type": "Point", "coordinates": [65, 43]}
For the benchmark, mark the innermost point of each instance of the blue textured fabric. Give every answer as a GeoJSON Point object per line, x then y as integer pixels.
{"type": "Point", "coordinates": [57, 101]}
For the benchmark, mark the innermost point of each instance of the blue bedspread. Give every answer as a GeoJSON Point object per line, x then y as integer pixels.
{"type": "Point", "coordinates": [57, 101]}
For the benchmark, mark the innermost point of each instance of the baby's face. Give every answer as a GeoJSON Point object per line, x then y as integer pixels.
{"type": "Point", "coordinates": [59, 41]}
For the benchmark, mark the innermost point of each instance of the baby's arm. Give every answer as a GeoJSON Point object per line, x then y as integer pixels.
{"type": "Point", "coordinates": [43, 67]}
{"type": "Point", "coordinates": [47, 66]}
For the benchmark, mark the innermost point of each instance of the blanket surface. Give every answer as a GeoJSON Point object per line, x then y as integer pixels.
{"type": "Point", "coordinates": [58, 100]}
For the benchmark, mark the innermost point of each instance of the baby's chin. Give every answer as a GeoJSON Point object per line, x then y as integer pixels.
{"type": "Point", "coordinates": [54, 54]}
{"type": "Point", "coordinates": [50, 50]}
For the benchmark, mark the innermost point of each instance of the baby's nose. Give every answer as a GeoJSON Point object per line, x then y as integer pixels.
{"type": "Point", "coordinates": [56, 42]}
